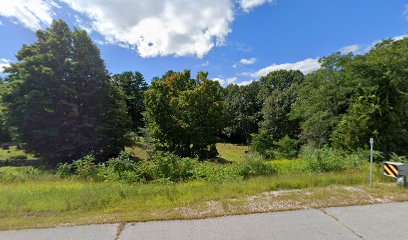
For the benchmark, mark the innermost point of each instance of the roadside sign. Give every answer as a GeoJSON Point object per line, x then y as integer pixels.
{"type": "Point", "coordinates": [395, 169]}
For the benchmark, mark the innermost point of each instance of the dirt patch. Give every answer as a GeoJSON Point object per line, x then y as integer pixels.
{"type": "Point", "coordinates": [289, 200]}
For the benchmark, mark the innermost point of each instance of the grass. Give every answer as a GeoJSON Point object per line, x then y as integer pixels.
{"type": "Point", "coordinates": [44, 203]}
{"type": "Point", "coordinates": [232, 152]}
{"type": "Point", "coordinates": [32, 197]}
{"type": "Point", "coordinates": [12, 153]}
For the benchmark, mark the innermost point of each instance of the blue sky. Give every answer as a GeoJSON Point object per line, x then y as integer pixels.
{"type": "Point", "coordinates": [236, 41]}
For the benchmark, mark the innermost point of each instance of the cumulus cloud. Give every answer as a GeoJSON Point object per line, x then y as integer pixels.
{"type": "Point", "coordinates": [244, 83]}
{"type": "Point", "coordinates": [306, 66]}
{"type": "Point", "coordinates": [248, 61]}
{"type": "Point", "coordinates": [31, 14]}
{"type": "Point", "coordinates": [153, 28]}
{"type": "Point", "coordinates": [355, 48]}
{"type": "Point", "coordinates": [247, 5]}
{"type": "Point", "coordinates": [225, 82]}
{"type": "Point", "coordinates": [160, 27]}
{"type": "Point", "coordinates": [4, 63]}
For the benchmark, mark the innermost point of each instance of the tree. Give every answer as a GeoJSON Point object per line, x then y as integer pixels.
{"type": "Point", "coordinates": [4, 126]}
{"type": "Point", "coordinates": [323, 99]}
{"type": "Point", "coordinates": [243, 112]}
{"type": "Point", "coordinates": [133, 86]}
{"type": "Point", "coordinates": [381, 107]}
{"type": "Point", "coordinates": [61, 99]}
{"type": "Point", "coordinates": [184, 114]}
{"type": "Point", "coordinates": [280, 87]}
{"type": "Point", "coordinates": [352, 98]}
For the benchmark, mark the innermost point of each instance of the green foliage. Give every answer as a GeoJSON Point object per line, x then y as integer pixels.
{"type": "Point", "coordinates": [352, 98]}
{"type": "Point", "coordinates": [331, 159]}
{"type": "Point", "coordinates": [133, 86]}
{"type": "Point", "coordinates": [184, 114]}
{"type": "Point", "coordinates": [161, 166]}
{"type": "Point", "coordinates": [254, 168]}
{"type": "Point", "coordinates": [242, 110]}
{"type": "Point", "coordinates": [397, 158]}
{"type": "Point", "coordinates": [61, 99]}
{"type": "Point", "coordinates": [5, 135]}
{"type": "Point", "coordinates": [172, 168]}
{"type": "Point", "coordinates": [286, 148]}
{"type": "Point", "coordinates": [262, 143]}
{"type": "Point", "coordinates": [323, 99]}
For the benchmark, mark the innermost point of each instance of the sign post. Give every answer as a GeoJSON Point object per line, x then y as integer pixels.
{"type": "Point", "coordinates": [371, 161]}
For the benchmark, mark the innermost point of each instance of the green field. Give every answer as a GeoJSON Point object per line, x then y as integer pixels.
{"type": "Point", "coordinates": [12, 153]}
{"type": "Point", "coordinates": [32, 197]}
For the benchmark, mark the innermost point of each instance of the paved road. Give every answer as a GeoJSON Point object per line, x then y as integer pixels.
{"type": "Point", "coordinates": [381, 221]}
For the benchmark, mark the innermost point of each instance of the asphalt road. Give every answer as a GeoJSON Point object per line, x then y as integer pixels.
{"type": "Point", "coordinates": [381, 221]}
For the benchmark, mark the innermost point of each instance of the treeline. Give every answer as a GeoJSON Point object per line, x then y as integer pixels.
{"type": "Point", "coordinates": [60, 103]}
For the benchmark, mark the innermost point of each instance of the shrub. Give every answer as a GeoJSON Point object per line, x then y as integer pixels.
{"type": "Point", "coordinates": [172, 167]}
{"type": "Point", "coordinates": [262, 143]}
{"type": "Point", "coordinates": [286, 148]}
{"type": "Point", "coordinates": [252, 168]}
{"type": "Point", "coordinates": [396, 158]}
{"type": "Point", "coordinates": [64, 170]}
{"type": "Point", "coordinates": [331, 159]}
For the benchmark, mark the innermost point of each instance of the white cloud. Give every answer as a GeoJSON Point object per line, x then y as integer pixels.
{"type": "Point", "coordinates": [247, 5]}
{"type": "Point", "coordinates": [205, 64]}
{"type": "Point", "coordinates": [225, 82]}
{"type": "Point", "coordinates": [80, 24]}
{"type": "Point", "coordinates": [355, 48]}
{"type": "Point", "coordinates": [306, 66]}
{"type": "Point", "coordinates": [244, 83]}
{"type": "Point", "coordinates": [32, 14]}
{"type": "Point", "coordinates": [234, 66]}
{"type": "Point", "coordinates": [160, 27]}
{"type": "Point", "coordinates": [4, 63]}
{"type": "Point", "coordinates": [248, 61]}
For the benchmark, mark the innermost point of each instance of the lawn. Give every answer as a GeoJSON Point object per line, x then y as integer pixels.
{"type": "Point", "coordinates": [12, 153]}
{"type": "Point", "coordinates": [232, 152]}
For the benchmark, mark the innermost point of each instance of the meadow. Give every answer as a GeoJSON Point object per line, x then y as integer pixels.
{"type": "Point", "coordinates": [33, 197]}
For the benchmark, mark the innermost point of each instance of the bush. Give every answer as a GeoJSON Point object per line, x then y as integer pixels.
{"type": "Point", "coordinates": [331, 159]}
{"type": "Point", "coordinates": [162, 167]}
{"type": "Point", "coordinates": [286, 148]}
{"type": "Point", "coordinates": [397, 158]}
{"type": "Point", "coordinates": [172, 167]}
{"type": "Point", "coordinates": [256, 168]}
{"type": "Point", "coordinates": [84, 168]}
{"type": "Point", "coordinates": [262, 143]}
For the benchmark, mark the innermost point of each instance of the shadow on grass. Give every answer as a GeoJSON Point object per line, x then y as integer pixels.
{"type": "Point", "coordinates": [220, 160]}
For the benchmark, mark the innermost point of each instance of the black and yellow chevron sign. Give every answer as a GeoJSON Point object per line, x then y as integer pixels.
{"type": "Point", "coordinates": [391, 170]}
{"type": "Point", "coordinates": [395, 169]}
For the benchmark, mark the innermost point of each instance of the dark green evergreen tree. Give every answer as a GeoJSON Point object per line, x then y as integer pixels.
{"type": "Point", "coordinates": [133, 86]}
{"type": "Point", "coordinates": [61, 99]}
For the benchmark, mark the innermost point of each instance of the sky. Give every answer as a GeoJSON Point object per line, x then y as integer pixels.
{"type": "Point", "coordinates": [236, 41]}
